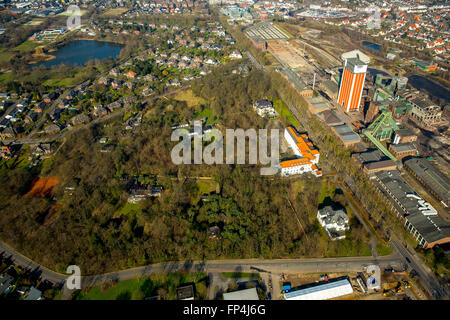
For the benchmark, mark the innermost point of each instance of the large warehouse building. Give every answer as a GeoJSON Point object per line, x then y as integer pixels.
{"type": "Point", "coordinates": [307, 155]}
{"type": "Point", "coordinates": [418, 216]}
{"type": "Point", "coordinates": [431, 178]}
{"type": "Point", "coordinates": [322, 291]}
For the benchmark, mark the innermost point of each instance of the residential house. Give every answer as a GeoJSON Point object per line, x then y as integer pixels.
{"type": "Point", "coordinates": [115, 105]}
{"type": "Point", "coordinates": [334, 221]}
{"type": "Point", "coordinates": [5, 152]}
{"type": "Point", "coordinates": [264, 108]}
{"type": "Point", "coordinates": [131, 74]}
{"type": "Point", "coordinates": [117, 84]}
{"type": "Point", "coordinates": [8, 133]}
{"type": "Point", "coordinates": [130, 85]}
{"type": "Point", "coordinates": [113, 72]}
{"type": "Point", "coordinates": [31, 117]}
{"type": "Point", "coordinates": [6, 283]}
{"type": "Point", "coordinates": [139, 193]}
{"type": "Point", "coordinates": [100, 111]}
{"type": "Point", "coordinates": [34, 294]}
{"type": "Point", "coordinates": [104, 81]}
{"type": "Point", "coordinates": [41, 149]}
{"type": "Point", "coordinates": [79, 119]}
{"type": "Point", "coordinates": [50, 97]}
{"type": "Point", "coordinates": [52, 129]}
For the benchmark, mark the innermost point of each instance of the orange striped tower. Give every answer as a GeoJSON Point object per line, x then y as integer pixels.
{"type": "Point", "coordinates": [352, 80]}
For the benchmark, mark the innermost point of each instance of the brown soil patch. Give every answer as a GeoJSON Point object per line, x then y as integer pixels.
{"type": "Point", "coordinates": [42, 187]}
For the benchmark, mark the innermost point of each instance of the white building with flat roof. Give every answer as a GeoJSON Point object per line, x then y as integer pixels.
{"type": "Point", "coordinates": [323, 291]}
{"type": "Point", "coordinates": [246, 294]}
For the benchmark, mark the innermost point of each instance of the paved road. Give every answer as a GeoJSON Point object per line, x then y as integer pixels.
{"type": "Point", "coordinates": [27, 263]}
{"type": "Point", "coordinates": [427, 278]}
{"type": "Point", "coordinates": [350, 264]}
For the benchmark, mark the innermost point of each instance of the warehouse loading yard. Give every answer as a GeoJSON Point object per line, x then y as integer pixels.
{"type": "Point", "coordinates": [394, 285]}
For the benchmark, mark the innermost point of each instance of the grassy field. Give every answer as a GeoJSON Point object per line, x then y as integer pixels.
{"type": "Point", "coordinates": [5, 56]}
{"type": "Point", "coordinates": [114, 12]}
{"type": "Point", "coordinates": [190, 98]}
{"type": "Point", "coordinates": [207, 186]}
{"type": "Point", "coordinates": [284, 111]}
{"type": "Point", "coordinates": [285, 31]}
{"type": "Point", "coordinates": [236, 275]}
{"type": "Point", "coordinates": [34, 22]}
{"type": "Point", "coordinates": [27, 46]}
{"type": "Point", "coordinates": [66, 82]}
{"type": "Point", "coordinates": [67, 14]}
{"type": "Point", "coordinates": [163, 285]}
{"type": "Point", "coordinates": [327, 191]}
{"type": "Point", "coordinates": [383, 249]}
{"type": "Point", "coordinates": [129, 208]}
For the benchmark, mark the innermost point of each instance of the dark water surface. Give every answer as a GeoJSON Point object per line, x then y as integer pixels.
{"type": "Point", "coordinates": [78, 52]}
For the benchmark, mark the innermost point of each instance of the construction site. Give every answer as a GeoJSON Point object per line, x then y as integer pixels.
{"type": "Point", "coordinates": [394, 285]}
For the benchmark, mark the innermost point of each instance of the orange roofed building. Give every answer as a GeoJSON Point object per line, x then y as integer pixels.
{"type": "Point", "coordinates": [308, 155]}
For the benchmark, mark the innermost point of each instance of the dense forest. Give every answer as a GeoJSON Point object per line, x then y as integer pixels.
{"type": "Point", "coordinates": [95, 228]}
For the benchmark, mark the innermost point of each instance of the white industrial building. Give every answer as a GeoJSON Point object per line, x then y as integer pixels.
{"type": "Point", "coordinates": [246, 294]}
{"type": "Point", "coordinates": [323, 291]}
{"type": "Point", "coordinates": [307, 155]}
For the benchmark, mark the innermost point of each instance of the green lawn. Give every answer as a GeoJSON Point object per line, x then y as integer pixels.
{"type": "Point", "coordinates": [7, 76]}
{"type": "Point", "coordinates": [327, 191]}
{"type": "Point", "coordinates": [159, 284]}
{"type": "Point", "coordinates": [206, 186]}
{"type": "Point", "coordinates": [5, 56]}
{"type": "Point", "coordinates": [121, 291]}
{"type": "Point", "coordinates": [206, 113]}
{"type": "Point", "coordinates": [383, 249]}
{"type": "Point", "coordinates": [284, 111]}
{"type": "Point", "coordinates": [27, 46]}
{"type": "Point", "coordinates": [190, 98]}
{"type": "Point", "coordinates": [236, 275]}
{"type": "Point", "coordinates": [128, 209]}
{"type": "Point", "coordinates": [284, 30]}
{"type": "Point", "coordinates": [65, 82]}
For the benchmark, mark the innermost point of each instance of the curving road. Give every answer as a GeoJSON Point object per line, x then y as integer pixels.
{"type": "Point", "coordinates": [346, 264]}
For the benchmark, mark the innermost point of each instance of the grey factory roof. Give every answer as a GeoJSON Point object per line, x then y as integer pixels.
{"type": "Point", "coordinates": [431, 228]}
{"type": "Point", "coordinates": [330, 118]}
{"type": "Point", "coordinates": [331, 86]}
{"type": "Point", "coordinates": [347, 133]}
{"type": "Point", "coordinates": [403, 147]}
{"type": "Point", "coordinates": [432, 177]}
{"type": "Point", "coordinates": [373, 155]}
{"type": "Point", "coordinates": [404, 132]}
{"type": "Point", "coordinates": [380, 164]}
{"type": "Point", "coordinates": [422, 102]}
{"type": "Point", "coordinates": [319, 103]}
{"type": "Point", "coordinates": [294, 78]}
